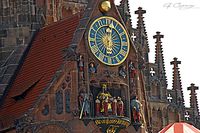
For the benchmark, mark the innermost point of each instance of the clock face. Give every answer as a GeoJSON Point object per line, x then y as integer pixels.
{"type": "Point", "coordinates": [108, 41]}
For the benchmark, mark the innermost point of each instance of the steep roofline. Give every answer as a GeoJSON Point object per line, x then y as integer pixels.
{"type": "Point", "coordinates": [57, 74]}
{"type": "Point", "coordinates": [80, 14]}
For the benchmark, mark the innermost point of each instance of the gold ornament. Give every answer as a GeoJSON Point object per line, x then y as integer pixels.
{"type": "Point", "coordinates": [105, 6]}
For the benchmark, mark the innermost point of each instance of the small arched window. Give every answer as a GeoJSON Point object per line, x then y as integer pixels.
{"type": "Point", "coordinates": [67, 101]}
{"type": "Point", "coordinates": [59, 102]}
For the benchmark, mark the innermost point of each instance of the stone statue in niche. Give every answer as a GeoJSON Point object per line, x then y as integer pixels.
{"type": "Point", "coordinates": [92, 68]}
{"type": "Point", "coordinates": [45, 110]}
{"type": "Point", "coordinates": [81, 67]}
{"type": "Point", "coordinates": [132, 71]}
{"type": "Point", "coordinates": [122, 71]}
{"type": "Point", "coordinates": [135, 110]}
{"type": "Point", "coordinates": [84, 103]}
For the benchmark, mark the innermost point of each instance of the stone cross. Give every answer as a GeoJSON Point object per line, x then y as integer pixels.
{"type": "Point", "coordinates": [169, 98]}
{"type": "Point", "coordinates": [187, 116]}
{"type": "Point", "coordinates": [140, 12]}
{"type": "Point", "coordinates": [158, 36]}
{"type": "Point", "coordinates": [152, 72]}
{"type": "Point", "coordinates": [175, 62]}
{"type": "Point", "coordinates": [193, 89]}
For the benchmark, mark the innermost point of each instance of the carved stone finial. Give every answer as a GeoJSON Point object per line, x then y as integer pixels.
{"type": "Point", "coordinates": [193, 88]}
{"type": "Point", "coordinates": [177, 85]}
{"type": "Point", "coordinates": [140, 12]}
{"type": "Point", "coordinates": [175, 62]}
{"type": "Point", "coordinates": [158, 37]}
{"type": "Point", "coordinates": [193, 98]}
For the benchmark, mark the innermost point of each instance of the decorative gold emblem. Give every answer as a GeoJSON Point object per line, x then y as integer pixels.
{"type": "Point", "coordinates": [105, 6]}
{"type": "Point", "coordinates": [112, 129]}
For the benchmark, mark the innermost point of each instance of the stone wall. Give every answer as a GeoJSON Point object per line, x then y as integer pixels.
{"type": "Point", "coordinates": [19, 20]}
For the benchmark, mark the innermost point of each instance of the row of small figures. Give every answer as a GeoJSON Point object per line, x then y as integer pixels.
{"type": "Point", "coordinates": [109, 106]}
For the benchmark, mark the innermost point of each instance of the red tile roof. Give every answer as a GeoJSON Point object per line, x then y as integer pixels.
{"type": "Point", "coordinates": [42, 61]}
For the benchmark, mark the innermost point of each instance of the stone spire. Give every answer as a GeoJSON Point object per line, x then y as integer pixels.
{"type": "Point", "coordinates": [141, 43]}
{"type": "Point", "coordinates": [159, 60]}
{"type": "Point", "coordinates": [126, 14]}
{"type": "Point", "coordinates": [177, 85]}
{"type": "Point", "coordinates": [141, 40]}
{"type": "Point", "coordinates": [193, 99]}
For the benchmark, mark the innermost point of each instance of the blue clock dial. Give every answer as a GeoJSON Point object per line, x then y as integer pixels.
{"type": "Point", "coordinates": [108, 41]}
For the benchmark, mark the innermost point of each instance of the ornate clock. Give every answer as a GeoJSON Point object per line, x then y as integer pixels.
{"type": "Point", "coordinates": [108, 41]}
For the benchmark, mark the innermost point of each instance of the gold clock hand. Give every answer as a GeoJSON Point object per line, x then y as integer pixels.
{"type": "Point", "coordinates": [111, 27]}
{"type": "Point", "coordinates": [109, 39]}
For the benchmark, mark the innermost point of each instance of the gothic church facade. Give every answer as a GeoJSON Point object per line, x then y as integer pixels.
{"type": "Point", "coordinates": [80, 66]}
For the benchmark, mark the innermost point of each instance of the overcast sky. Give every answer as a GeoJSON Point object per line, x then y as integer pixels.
{"type": "Point", "coordinates": [179, 22]}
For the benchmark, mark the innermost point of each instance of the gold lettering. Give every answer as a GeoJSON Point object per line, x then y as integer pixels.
{"type": "Point", "coordinates": [121, 34]}
{"type": "Point", "coordinates": [92, 39]}
{"type": "Point", "coordinates": [101, 56]}
{"type": "Point", "coordinates": [98, 122]}
{"type": "Point", "coordinates": [95, 49]}
{"type": "Point", "coordinates": [112, 122]}
{"type": "Point", "coordinates": [117, 59]}
{"type": "Point", "coordinates": [124, 44]}
{"type": "Point", "coordinates": [100, 23]}
{"type": "Point", "coordinates": [123, 52]}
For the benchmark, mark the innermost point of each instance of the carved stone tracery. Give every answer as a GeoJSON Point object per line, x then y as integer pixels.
{"type": "Point", "coordinates": [23, 124]}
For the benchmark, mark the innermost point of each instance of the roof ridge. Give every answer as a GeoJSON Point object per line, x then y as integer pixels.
{"type": "Point", "coordinates": [79, 14]}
